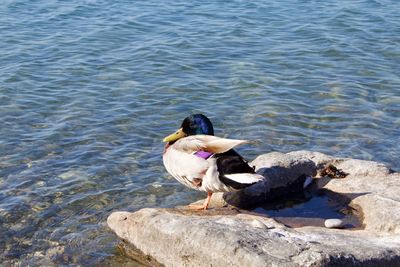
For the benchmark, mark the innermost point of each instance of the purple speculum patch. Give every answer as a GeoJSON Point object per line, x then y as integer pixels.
{"type": "Point", "coordinates": [203, 154]}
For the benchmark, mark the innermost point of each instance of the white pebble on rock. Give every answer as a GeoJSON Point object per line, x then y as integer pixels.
{"type": "Point", "coordinates": [333, 223]}
{"type": "Point", "coordinates": [258, 224]}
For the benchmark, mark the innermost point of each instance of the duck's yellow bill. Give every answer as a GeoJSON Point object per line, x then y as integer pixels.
{"type": "Point", "coordinates": [175, 136]}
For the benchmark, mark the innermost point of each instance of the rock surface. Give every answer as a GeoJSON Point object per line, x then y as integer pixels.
{"type": "Point", "coordinates": [227, 237]}
{"type": "Point", "coordinates": [285, 174]}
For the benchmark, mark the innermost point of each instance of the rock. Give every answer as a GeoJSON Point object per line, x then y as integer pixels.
{"type": "Point", "coordinates": [229, 237]}
{"type": "Point", "coordinates": [217, 201]}
{"type": "Point", "coordinates": [353, 166]}
{"type": "Point", "coordinates": [283, 169]}
{"type": "Point", "coordinates": [72, 174]}
{"type": "Point", "coordinates": [318, 158]}
{"type": "Point", "coordinates": [378, 197]}
{"type": "Point", "coordinates": [333, 223]}
{"type": "Point", "coordinates": [258, 224]}
{"type": "Point", "coordinates": [358, 167]}
{"type": "Point", "coordinates": [176, 239]}
{"type": "Point", "coordinates": [284, 174]}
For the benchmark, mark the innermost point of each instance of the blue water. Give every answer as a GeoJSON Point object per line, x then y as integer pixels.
{"type": "Point", "coordinates": [88, 89]}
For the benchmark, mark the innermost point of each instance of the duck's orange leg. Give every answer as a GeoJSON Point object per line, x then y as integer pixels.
{"type": "Point", "coordinates": [201, 207]}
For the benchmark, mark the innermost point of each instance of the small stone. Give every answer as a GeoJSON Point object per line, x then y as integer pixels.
{"type": "Point", "coordinates": [258, 224]}
{"type": "Point", "coordinates": [333, 223]}
{"type": "Point", "coordinates": [38, 254]}
{"type": "Point", "coordinates": [41, 183]}
{"type": "Point", "coordinates": [156, 185]}
{"type": "Point", "coordinates": [72, 174]}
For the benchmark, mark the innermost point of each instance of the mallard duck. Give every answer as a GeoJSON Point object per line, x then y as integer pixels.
{"type": "Point", "coordinates": [202, 161]}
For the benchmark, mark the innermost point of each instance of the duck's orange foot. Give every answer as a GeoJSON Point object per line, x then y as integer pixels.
{"type": "Point", "coordinates": [201, 207]}
{"type": "Point", "coordinates": [196, 207]}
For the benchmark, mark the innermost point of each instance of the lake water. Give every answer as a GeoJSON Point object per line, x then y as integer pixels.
{"type": "Point", "coordinates": [88, 89]}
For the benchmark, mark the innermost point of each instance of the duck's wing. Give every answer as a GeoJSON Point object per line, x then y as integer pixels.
{"type": "Point", "coordinates": [234, 170]}
{"type": "Point", "coordinates": [207, 143]}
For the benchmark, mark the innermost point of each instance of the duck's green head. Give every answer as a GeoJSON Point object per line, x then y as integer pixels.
{"type": "Point", "coordinates": [192, 125]}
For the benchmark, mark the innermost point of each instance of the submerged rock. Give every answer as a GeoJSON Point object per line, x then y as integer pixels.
{"type": "Point", "coordinates": [229, 237]}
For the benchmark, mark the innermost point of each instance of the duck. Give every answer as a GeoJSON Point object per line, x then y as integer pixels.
{"type": "Point", "coordinates": [201, 161]}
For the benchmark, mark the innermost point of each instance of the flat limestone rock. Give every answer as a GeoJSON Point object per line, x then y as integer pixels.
{"type": "Point", "coordinates": [229, 237]}
{"type": "Point", "coordinates": [176, 239]}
